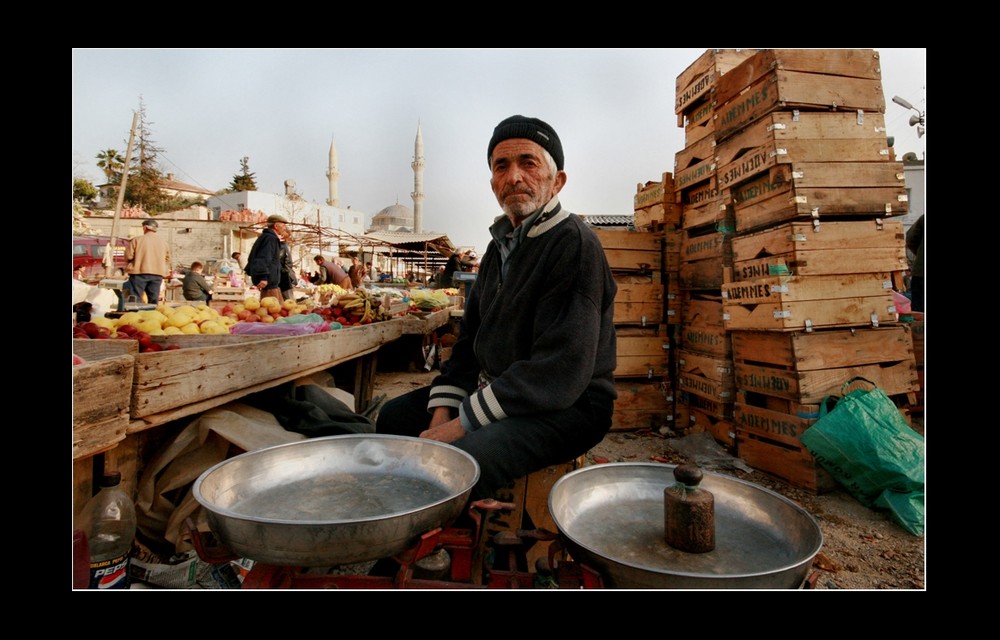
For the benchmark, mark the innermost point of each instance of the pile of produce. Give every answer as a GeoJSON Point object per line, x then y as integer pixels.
{"type": "Point", "coordinates": [427, 300]}
{"type": "Point", "coordinates": [328, 292]}
{"type": "Point", "coordinates": [352, 308]}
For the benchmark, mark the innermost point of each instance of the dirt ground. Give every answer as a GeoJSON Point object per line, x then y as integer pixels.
{"type": "Point", "coordinates": [862, 548]}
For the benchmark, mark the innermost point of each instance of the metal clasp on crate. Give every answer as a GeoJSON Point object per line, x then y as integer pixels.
{"type": "Point", "coordinates": [809, 326]}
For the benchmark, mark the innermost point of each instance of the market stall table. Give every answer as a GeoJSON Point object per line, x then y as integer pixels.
{"type": "Point", "coordinates": [206, 372]}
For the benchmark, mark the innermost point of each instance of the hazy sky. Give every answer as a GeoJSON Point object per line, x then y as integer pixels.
{"type": "Point", "coordinates": [612, 108]}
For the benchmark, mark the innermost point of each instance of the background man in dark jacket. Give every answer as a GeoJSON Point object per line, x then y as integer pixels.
{"type": "Point", "coordinates": [264, 262]}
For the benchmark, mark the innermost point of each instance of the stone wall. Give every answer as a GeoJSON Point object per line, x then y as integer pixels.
{"type": "Point", "coordinates": [204, 240]}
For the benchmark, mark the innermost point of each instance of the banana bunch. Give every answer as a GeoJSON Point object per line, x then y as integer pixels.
{"type": "Point", "coordinates": [360, 307]}
{"type": "Point", "coordinates": [330, 293]}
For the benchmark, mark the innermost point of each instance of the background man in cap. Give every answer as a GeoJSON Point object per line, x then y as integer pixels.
{"type": "Point", "coordinates": [264, 261]}
{"type": "Point", "coordinates": [148, 258]}
{"type": "Point", "coordinates": [530, 382]}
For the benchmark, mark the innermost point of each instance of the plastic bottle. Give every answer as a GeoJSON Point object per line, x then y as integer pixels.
{"type": "Point", "coordinates": [108, 519]}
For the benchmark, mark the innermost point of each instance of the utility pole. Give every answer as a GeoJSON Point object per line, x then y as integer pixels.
{"type": "Point", "coordinates": [109, 261]}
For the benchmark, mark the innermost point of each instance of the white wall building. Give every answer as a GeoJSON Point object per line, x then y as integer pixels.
{"type": "Point", "coordinates": [350, 221]}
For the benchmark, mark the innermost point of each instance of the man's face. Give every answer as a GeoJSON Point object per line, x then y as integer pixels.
{"type": "Point", "coordinates": [522, 181]}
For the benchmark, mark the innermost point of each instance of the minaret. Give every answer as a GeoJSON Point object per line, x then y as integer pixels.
{"type": "Point", "coordinates": [418, 183]}
{"type": "Point", "coordinates": [332, 174]}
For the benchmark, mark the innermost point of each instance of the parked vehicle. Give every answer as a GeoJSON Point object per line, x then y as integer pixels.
{"type": "Point", "coordinates": [88, 252]}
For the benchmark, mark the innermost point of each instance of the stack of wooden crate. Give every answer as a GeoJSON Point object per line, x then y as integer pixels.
{"type": "Point", "coordinates": [704, 354]}
{"type": "Point", "coordinates": [642, 376]}
{"type": "Point", "coordinates": [788, 241]}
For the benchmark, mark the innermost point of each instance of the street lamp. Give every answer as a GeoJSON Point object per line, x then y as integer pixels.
{"type": "Point", "coordinates": [917, 120]}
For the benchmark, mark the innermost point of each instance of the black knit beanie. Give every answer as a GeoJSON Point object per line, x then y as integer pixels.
{"type": "Point", "coordinates": [531, 128]}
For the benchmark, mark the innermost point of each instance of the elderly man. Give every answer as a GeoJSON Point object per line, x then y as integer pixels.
{"type": "Point", "coordinates": [264, 261]}
{"type": "Point", "coordinates": [530, 382]}
{"type": "Point", "coordinates": [148, 258]}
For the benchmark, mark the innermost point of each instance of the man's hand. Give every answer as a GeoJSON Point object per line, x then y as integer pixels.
{"type": "Point", "coordinates": [448, 432]}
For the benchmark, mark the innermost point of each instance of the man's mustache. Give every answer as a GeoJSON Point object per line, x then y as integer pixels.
{"type": "Point", "coordinates": [513, 192]}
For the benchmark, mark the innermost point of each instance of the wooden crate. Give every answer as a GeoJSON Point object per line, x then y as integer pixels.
{"type": "Point", "coordinates": [845, 63]}
{"type": "Point", "coordinates": [226, 293]}
{"type": "Point", "coordinates": [699, 123]}
{"type": "Point", "coordinates": [801, 237]}
{"type": "Point", "coordinates": [870, 311]}
{"type": "Point", "coordinates": [708, 339]}
{"type": "Point", "coordinates": [656, 216]}
{"type": "Point", "coordinates": [695, 84]}
{"type": "Point", "coordinates": [709, 273]}
{"type": "Point", "coordinates": [655, 192]}
{"type": "Point", "coordinates": [632, 251]}
{"type": "Point", "coordinates": [780, 405]}
{"type": "Point", "coordinates": [837, 204]}
{"type": "Point", "coordinates": [790, 90]}
{"type": "Point", "coordinates": [917, 331]}
{"type": "Point", "coordinates": [805, 367]}
{"type": "Point", "coordinates": [643, 353]}
{"type": "Point", "coordinates": [702, 308]}
{"type": "Point", "coordinates": [698, 195]}
{"type": "Point", "coordinates": [819, 190]}
{"type": "Point", "coordinates": [715, 214]}
{"type": "Point", "coordinates": [701, 246]}
{"type": "Point", "coordinates": [695, 164]}
{"type": "Point", "coordinates": [707, 405]}
{"type": "Point", "coordinates": [792, 463]}
{"type": "Point", "coordinates": [709, 367]}
{"type": "Point", "coordinates": [771, 424]}
{"type": "Point", "coordinates": [530, 495]}
{"type": "Point", "coordinates": [672, 309]}
{"type": "Point", "coordinates": [642, 404]}
{"type": "Point", "coordinates": [808, 351]}
{"type": "Point", "coordinates": [834, 136]}
{"type": "Point", "coordinates": [101, 395]}
{"type": "Point", "coordinates": [782, 290]}
{"type": "Point", "coordinates": [721, 429]}
{"type": "Point", "coordinates": [781, 138]}
{"type": "Point", "coordinates": [784, 303]}
{"type": "Point", "coordinates": [640, 304]}
{"type": "Point", "coordinates": [718, 391]}
{"type": "Point", "coordinates": [811, 387]}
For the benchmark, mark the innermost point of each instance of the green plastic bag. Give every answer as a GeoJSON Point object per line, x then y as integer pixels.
{"type": "Point", "coordinates": [867, 446]}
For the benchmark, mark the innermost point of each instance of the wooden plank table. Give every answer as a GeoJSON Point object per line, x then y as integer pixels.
{"type": "Point", "coordinates": [209, 371]}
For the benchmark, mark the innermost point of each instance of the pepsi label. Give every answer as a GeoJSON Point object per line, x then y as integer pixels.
{"type": "Point", "coordinates": [110, 574]}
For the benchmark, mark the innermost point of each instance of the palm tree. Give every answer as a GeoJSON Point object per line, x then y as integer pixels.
{"type": "Point", "coordinates": [111, 162]}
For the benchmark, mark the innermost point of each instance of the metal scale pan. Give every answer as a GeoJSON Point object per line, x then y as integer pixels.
{"type": "Point", "coordinates": [336, 500]}
{"type": "Point", "coordinates": [611, 517]}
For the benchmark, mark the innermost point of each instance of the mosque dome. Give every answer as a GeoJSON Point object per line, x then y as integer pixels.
{"type": "Point", "coordinates": [394, 217]}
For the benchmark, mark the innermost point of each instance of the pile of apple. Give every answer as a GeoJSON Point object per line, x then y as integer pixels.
{"type": "Point", "coordinates": [200, 319]}
{"type": "Point", "coordinates": [266, 309]}
{"type": "Point", "coordinates": [187, 319]}
{"type": "Point", "coordinates": [104, 329]}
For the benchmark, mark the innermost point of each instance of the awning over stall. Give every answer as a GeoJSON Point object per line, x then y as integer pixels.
{"type": "Point", "coordinates": [423, 253]}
